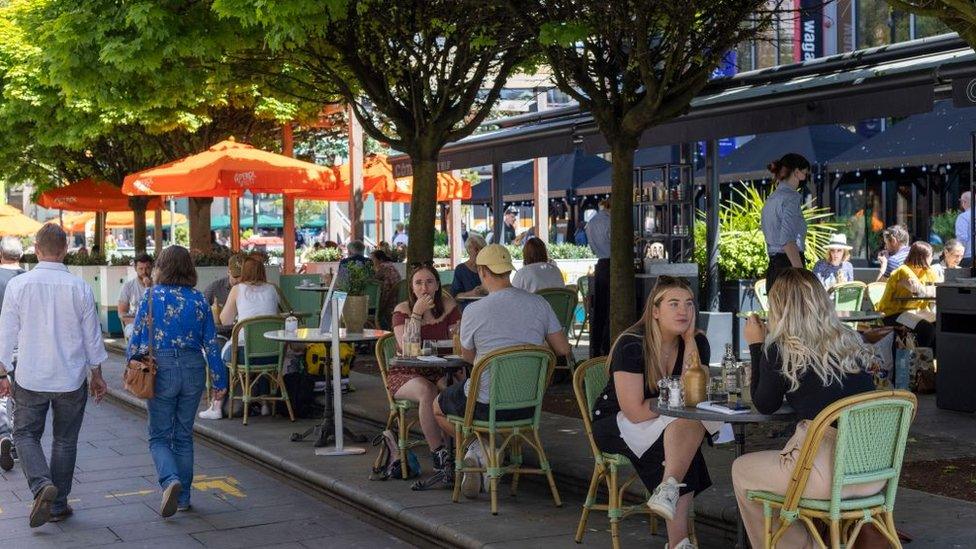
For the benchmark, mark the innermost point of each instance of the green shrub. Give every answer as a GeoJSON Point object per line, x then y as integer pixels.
{"type": "Point", "coordinates": [324, 255]}
{"type": "Point", "coordinates": [741, 246]}
{"type": "Point", "coordinates": [944, 224]}
{"type": "Point", "coordinates": [211, 259]}
{"type": "Point", "coordinates": [84, 259]}
{"type": "Point", "coordinates": [359, 276]}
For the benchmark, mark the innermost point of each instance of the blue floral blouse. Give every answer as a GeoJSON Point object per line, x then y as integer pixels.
{"type": "Point", "coordinates": [181, 320]}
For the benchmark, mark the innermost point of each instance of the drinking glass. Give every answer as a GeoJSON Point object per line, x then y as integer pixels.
{"type": "Point", "coordinates": [663, 390]}
{"type": "Point", "coordinates": [428, 347]}
{"type": "Point", "coordinates": [716, 390]}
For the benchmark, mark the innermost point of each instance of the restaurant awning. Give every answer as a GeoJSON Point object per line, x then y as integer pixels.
{"type": "Point", "coordinates": [819, 144]}
{"type": "Point", "coordinates": [90, 195]}
{"type": "Point", "coordinates": [895, 80]}
{"type": "Point", "coordinates": [566, 171]}
{"type": "Point", "coordinates": [937, 137]}
{"type": "Point", "coordinates": [14, 223]}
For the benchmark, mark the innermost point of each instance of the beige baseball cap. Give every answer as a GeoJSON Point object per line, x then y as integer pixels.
{"type": "Point", "coordinates": [496, 258]}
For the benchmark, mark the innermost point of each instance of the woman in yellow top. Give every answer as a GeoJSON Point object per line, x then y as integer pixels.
{"type": "Point", "coordinates": [913, 279]}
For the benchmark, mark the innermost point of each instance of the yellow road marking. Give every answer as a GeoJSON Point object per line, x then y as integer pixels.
{"type": "Point", "coordinates": [226, 484]}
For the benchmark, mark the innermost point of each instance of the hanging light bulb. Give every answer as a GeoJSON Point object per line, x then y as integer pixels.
{"type": "Point", "coordinates": [903, 169]}
{"type": "Point", "coordinates": [948, 167]}
{"type": "Point", "coordinates": [857, 173]}
{"type": "Point", "coordinates": [925, 168]}
{"type": "Point", "coordinates": [879, 171]}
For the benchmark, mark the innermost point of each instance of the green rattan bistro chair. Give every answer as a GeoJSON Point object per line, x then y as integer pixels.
{"type": "Point", "coordinates": [262, 358]}
{"type": "Point", "coordinates": [848, 296]}
{"type": "Point", "coordinates": [518, 378]}
{"type": "Point", "coordinates": [563, 302]}
{"type": "Point", "coordinates": [373, 293]}
{"type": "Point", "coordinates": [385, 351]}
{"type": "Point", "coordinates": [589, 380]}
{"type": "Point", "coordinates": [872, 429]}
{"type": "Point", "coordinates": [303, 303]}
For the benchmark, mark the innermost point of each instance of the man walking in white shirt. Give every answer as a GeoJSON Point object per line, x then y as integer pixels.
{"type": "Point", "coordinates": [49, 316]}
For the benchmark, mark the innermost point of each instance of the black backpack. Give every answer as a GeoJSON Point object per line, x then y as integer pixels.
{"type": "Point", "coordinates": [387, 465]}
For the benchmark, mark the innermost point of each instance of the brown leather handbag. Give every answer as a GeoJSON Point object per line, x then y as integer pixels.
{"type": "Point", "coordinates": [139, 378]}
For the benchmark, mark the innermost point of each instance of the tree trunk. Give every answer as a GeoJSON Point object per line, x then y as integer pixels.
{"type": "Point", "coordinates": [622, 292]}
{"type": "Point", "coordinates": [138, 205]}
{"type": "Point", "coordinates": [199, 225]}
{"type": "Point", "coordinates": [423, 207]}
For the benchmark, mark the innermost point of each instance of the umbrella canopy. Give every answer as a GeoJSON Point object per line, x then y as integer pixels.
{"type": "Point", "coordinates": [937, 137]}
{"type": "Point", "coordinates": [228, 169]}
{"type": "Point", "coordinates": [119, 220]}
{"type": "Point", "coordinates": [90, 195]}
{"type": "Point", "coordinates": [14, 223]}
{"type": "Point", "coordinates": [247, 222]}
{"type": "Point", "coordinates": [378, 180]}
{"type": "Point", "coordinates": [819, 144]}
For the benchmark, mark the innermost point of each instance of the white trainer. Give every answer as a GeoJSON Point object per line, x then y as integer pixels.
{"type": "Point", "coordinates": [665, 498]}
{"type": "Point", "coordinates": [213, 412]}
{"type": "Point", "coordinates": [472, 484]}
{"type": "Point", "coordinates": [683, 544]}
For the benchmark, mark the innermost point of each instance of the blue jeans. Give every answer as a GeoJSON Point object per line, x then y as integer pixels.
{"type": "Point", "coordinates": [68, 411]}
{"type": "Point", "coordinates": [180, 381]}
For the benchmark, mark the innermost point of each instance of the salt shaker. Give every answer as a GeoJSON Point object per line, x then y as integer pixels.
{"type": "Point", "coordinates": [291, 325]}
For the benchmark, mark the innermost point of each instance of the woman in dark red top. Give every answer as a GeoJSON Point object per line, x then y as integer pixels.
{"type": "Point", "coordinates": [436, 312]}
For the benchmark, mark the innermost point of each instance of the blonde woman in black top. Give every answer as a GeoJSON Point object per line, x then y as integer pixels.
{"type": "Point", "coordinates": [811, 359]}
{"type": "Point", "coordinates": [663, 450]}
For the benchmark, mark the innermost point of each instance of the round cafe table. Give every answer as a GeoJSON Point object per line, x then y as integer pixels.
{"type": "Point", "coordinates": [859, 316]}
{"type": "Point", "coordinates": [739, 423]}
{"type": "Point", "coordinates": [333, 399]}
{"type": "Point", "coordinates": [313, 288]}
{"type": "Point", "coordinates": [450, 365]}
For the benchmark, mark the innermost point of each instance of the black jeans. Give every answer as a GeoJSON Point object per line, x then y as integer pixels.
{"type": "Point", "coordinates": [600, 315]}
{"type": "Point", "coordinates": [68, 411]}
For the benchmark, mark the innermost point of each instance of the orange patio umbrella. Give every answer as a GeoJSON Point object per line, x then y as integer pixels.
{"type": "Point", "coordinates": [378, 180]}
{"type": "Point", "coordinates": [14, 223]}
{"type": "Point", "coordinates": [90, 195]}
{"type": "Point", "coordinates": [118, 220]}
{"type": "Point", "coordinates": [228, 169]}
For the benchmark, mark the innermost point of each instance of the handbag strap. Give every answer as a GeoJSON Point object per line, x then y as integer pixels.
{"type": "Point", "coordinates": [152, 336]}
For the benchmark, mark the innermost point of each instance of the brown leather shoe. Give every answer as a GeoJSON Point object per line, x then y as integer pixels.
{"type": "Point", "coordinates": [41, 510]}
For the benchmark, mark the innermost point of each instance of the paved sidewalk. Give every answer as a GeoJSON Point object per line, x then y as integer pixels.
{"type": "Point", "coordinates": [115, 498]}
{"type": "Point", "coordinates": [531, 519]}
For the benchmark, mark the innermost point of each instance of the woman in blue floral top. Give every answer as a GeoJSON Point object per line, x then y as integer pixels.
{"type": "Point", "coordinates": [184, 343]}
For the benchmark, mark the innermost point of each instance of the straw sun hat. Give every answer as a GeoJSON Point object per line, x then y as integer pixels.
{"type": "Point", "coordinates": [838, 242]}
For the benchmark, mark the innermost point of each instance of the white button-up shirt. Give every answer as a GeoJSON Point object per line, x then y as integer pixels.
{"type": "Point", "coordinates": [49, 316]}
{"type": "Point", "coordinates": [598, 234]}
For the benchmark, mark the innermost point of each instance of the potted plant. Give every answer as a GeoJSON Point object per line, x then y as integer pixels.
{"type": "Point", "coordinates": [742, 257]}
{"type": "Point", "coordinates": [323, 260]}
{"type": "Point", "coordinates": [356, 309]}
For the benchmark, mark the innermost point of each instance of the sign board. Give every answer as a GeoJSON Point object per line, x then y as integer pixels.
{"type": "Point", "coordinates": [964, 91]}
{"type": "Point", "coordinates": [808, 30]}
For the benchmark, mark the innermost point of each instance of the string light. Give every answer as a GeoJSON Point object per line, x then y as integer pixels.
{"type": "Point", "coordinates": [902, 169]}
{"type": "Point", "coordinates": [857, 173]}
{"type": "Point", "coordinates": [879, 171]}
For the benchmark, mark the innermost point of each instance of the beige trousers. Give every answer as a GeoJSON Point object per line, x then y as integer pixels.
{"type": "Point", "coordinates": [771, 471]}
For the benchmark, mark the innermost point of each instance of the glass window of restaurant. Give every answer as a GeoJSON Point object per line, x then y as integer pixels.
{"type": "Point", "coordinates": [858, 209]}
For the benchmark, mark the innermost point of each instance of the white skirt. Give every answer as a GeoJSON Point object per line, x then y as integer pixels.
{"type": "Point", "coordinates": [639, 437]}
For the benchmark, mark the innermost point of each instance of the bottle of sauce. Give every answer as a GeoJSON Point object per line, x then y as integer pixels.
{"type": "Point", "coordinates": [694, 378]}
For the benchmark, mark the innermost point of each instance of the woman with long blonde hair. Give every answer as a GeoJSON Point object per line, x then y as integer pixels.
{"type": "Point", "coordinates": [812, 359]}
{"type": "Point", "coordinates": [664, 450]}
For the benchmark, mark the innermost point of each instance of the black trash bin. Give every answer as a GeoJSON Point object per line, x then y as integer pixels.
{"type": "Point", "coordinates": [955, 346]}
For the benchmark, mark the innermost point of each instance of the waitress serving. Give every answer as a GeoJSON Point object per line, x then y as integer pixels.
{"type": "Point", "coordinates": [783, 225]}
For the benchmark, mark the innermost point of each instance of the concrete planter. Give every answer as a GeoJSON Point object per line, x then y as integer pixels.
{"type": "Point", "coordinates": [354, 313]}
{"type": "Point", "coordinates": [109, 282]}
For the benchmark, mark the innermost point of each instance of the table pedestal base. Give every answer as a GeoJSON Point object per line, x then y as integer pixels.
{"type": "Point", "coordinates": [347, 451]}
{"type": "Point", "coordinates": [324, 432]}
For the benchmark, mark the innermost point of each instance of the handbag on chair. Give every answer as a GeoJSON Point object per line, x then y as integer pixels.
{"type": "Point", "coordinates": [139, 377]}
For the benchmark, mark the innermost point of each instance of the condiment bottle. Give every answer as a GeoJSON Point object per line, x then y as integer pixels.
{"type": "Point", "coordinates": [694, 378]}
{"type": "Point", "coordinates": [291, 324]}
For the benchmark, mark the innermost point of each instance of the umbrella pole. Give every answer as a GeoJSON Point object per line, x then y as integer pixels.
{"type": "Point", "coordinates": [235, 223]}
{"type": "Point", "coordinates": [158, 231]}
{"type": "Point", "coordinates": [288, 207]}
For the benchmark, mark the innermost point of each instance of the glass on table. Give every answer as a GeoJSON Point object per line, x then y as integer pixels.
{"type": "Point", "coordinates": [676, 396]}
{"type": "Point", "coordinates": [428, 347]}
{"type": "Point", "coordinates": [716, 390]}
{"type": "Point", "coordinates": [663, 392]}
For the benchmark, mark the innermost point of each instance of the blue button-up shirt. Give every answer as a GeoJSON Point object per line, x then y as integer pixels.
{"type": "Point", "coordinates": [181, 320]}
{"type": "Point", "coordinates": [782, 219]}
{"type": "Point", "coordinates": [964, 232]}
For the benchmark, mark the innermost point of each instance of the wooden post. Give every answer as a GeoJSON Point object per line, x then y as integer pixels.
{"type": "Point", "coordinates": [540, 181]}
{"type": "Point", "coordinates": [288, 206]}
{"type": "Point", "coordinates": [355, 177]}
{"type": "Point", "coordinates": [454, 235]}
{"type": "Point", "coordinates": [158, 231]}
{"type": "Point", "coordinates": [235, 223]}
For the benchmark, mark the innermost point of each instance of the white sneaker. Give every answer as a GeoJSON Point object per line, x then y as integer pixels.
{"type": "Point", "coordinates": [472, 484]}
{"type": "Point", "coordinates": [265, 409]}
{"type": "Point", "coordinates": [665, 498]}
{"type": "Point", "coordinates": [213, 412]}
{"type": "Point", "coordinates": [683, 544]}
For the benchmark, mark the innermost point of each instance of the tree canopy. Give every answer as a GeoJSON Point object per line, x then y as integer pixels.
{"type": "Point", "coordinates": [418, 73]}
{"type": "Point", "coordinates": [634, 64]}
{"type": "Point", "coordinates": [958, 15]}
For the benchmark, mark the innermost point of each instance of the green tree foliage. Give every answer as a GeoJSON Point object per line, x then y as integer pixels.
{"type": "Point", "coordinates": [958, 15]}
{"type": "Point", "coordinates": [419, 73]}
{"type": "Point", "coordinates": [635, 64]}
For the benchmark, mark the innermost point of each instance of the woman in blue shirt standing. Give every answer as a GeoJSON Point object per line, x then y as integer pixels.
{"type": "Point", "coordinates": [184, 342]}
{"type": "Point", "coordinates": [783, 225]}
